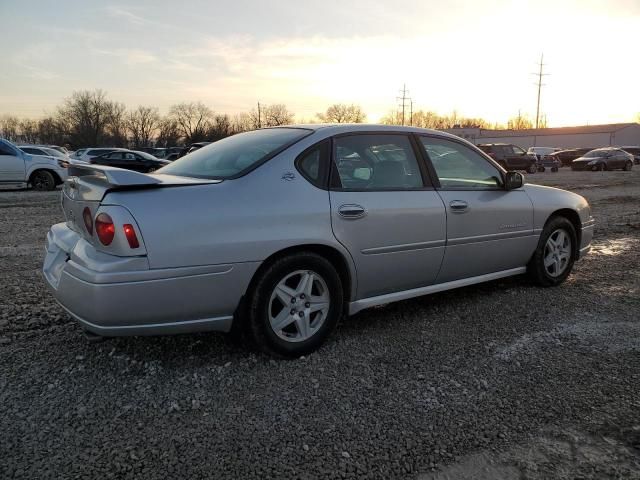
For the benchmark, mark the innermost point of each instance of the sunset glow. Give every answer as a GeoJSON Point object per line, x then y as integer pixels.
{"type": "Point", "coordinates": [476, 58]}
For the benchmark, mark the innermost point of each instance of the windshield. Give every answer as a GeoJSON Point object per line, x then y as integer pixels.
{"type": "Point", "coordinates": [596, 154]}
{"type": "Point", "coordinates": [233, 155]}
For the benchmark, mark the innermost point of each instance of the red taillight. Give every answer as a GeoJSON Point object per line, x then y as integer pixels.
{"type": "Point", "coordinates": [105, 228]}
{"type": "Point", "coordinates": [130, 233]}
{"type": "Point", "coordinates": [88, 220]}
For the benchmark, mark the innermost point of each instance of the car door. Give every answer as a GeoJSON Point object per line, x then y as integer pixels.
{"type": "Point", "coordinates": [489, 229]}
{"type": "Point", "coordinates": [385, 211]}
{"type": "Point", "coordinates": [520, 159]}
{"type": "Point", "coordinates": [12, 168]}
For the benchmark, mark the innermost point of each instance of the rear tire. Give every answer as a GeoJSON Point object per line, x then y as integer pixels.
{"type": "Point", "coordinates": [42, 181]}
{"type": "Point", "coordinates": [554, 256]}
{"type": "Point", "coordinates": [554, 169]}
{"type": "Point", "coordinates": [295, 305]}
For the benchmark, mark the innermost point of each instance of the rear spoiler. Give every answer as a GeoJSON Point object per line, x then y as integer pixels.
{"type": "Point", "coordinates": [118, 177]}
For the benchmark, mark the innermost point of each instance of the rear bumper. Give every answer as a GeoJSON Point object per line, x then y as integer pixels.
{"type": "Point", "coordinates": [116, 296]}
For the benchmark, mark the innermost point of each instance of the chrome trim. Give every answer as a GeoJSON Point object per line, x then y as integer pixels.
{"type": "Point", "coordinates": [403, 248]}
{"type": "Point", "coordinates": [355, 307]}
{"type": "Point", "coordinates": [489, 237]}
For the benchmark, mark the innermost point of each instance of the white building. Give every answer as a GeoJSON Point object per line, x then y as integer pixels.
{"type": "Point", "coordinates": [588, 136]}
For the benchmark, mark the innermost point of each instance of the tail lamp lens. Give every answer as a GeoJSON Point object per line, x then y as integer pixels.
{"type": "Point", "coordinates": [130, 233]}
{"type": "Point", "coordinates": [88, 220]}
{"type": "Point", "coordinates": [105, 229]}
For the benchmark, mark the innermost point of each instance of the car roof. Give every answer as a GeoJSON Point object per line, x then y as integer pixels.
{"type": "Point", "coordinates": [340, 128]}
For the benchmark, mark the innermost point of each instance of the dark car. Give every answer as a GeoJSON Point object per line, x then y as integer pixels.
{"type": "Point", "coordinates": [195, 146]}
{"type": "Point", "coordinates": [510, 157]}
{"type": "Point", "coordinates": [635, 151]}
{"type": "Point", "coordinates": [570, 154]}
{"type": "Point", "coordinates": [131, 160]}
{"type": "Point", "coordinates": [173, 153]}
{"type": "Point", "coordinates": [604, 159]}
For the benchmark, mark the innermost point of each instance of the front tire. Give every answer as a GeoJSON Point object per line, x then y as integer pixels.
{"type": "Point", "coordinates": [553, 259]}
{"type": "Point", "coordinates": [295, 305]}
{"type": "Point", "coordinates": [628, 166]}
{"type": "Point", "coordinates": [532, 169]}
{"type": "Point", "coordinates": [43, 181]}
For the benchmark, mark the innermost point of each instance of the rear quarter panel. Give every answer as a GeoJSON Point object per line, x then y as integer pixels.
{"type": "Point", "coordinates": [242, 220]}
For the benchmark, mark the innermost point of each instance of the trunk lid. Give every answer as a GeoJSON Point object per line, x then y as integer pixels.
{"type": "Point", "coordinates": [88, 184]}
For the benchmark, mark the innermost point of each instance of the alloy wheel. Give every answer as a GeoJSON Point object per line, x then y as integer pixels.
{"type": "Point", "coordinates": [299, 306]}
{"type": "Point", "coordinates": [557, 253]}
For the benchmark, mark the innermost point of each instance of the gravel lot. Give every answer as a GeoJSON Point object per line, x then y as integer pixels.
{"type": "Point", "coordinates": [503, 380]}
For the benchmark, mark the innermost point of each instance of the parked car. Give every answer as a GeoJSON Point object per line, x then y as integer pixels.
{"type": "Point", "coordinates": [540, 152]}
{"type": "Point", "coordinates": [130, 160]}
{"type": "Point", "coordinates": [569, 155]}
{"type": "Point", "coordinates": [195, 146]}
{"type": "Point", "coordinates": [279, 232]}
{"type": "Point", "coordinates": [44, 151]}
{"type": "Point", "coordinates": [600, 159]}
{"type": "Point", "coordinates": [173, 153]}
{"type": "Point", "coordinates": [510, 157]}
{"type": "Point", "coordinates": [86, 154]}
{"type": "Point", "coordinates": [19, 168]}
{"type": "Point", "coordinates": [548, 161]}
{"type": "Point", "coordinates": [635, 151]}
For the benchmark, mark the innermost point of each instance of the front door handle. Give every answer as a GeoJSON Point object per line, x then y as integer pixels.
{"type": "Point", "coordinates": [459, 206]}
{"type": "Point", "coordinates": [351, 211]}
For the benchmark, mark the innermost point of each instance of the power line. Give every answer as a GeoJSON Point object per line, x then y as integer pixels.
{"type": "Point", "coordinates": [403, 102]}
{"type": "Point", "coordinates": [539, 84]}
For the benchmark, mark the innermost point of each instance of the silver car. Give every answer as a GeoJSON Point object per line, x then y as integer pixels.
{"type": "Point", "coordinates": [278, 233]}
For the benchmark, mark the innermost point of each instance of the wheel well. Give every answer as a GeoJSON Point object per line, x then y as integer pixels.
{"type": "Point", "coordinates": [574, 218]}
{"type": "Point", "coordinates": [56, 177]}
{"type": "Point", "coordinates": [330, 253]}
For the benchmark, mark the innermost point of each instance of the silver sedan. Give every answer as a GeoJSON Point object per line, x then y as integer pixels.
{"type": "Point", "coordinates": [278, 233]}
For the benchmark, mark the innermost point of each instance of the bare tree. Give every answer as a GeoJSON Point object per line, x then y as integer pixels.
{"type": "Point", "coordinates": [143, 123]}
{"type": "Point", "coordinates": [343, 113]}
{"type": "Point", "coordinates": [244, 122]}
{"type": "Point", "coordinates": [28, 130]}
{"type": "Point", "coordinates": [50, 132]}
{"type": "Point", "coordinates": [117, 124]}
{"type": "Point", "coordinates": [220, 128]}
{"type": "Point", "coordinates": [275, 115]}
{"type": "Point", "coordinates": [168, 133]}
{"type": "Point", "coordinates": [193, 119]}
{"type": "Point", "coordinates": [85, 116]}
{"type": "Point", "coordinates": [520, 122]}
{"type": "Point", "coordinates": [9, 127]}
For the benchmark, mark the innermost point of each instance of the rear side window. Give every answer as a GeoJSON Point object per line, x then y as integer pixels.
{"type": "Point", "coordinates": [6, 150]}
{"type": "Point", "coordinates": [233, 156]}
{"type": "Point", "coordinates": [375, 162]}
{"type": "Point", "coordinates": [313, 163]}
{"type": "Point", "coordinates": [95, 153]}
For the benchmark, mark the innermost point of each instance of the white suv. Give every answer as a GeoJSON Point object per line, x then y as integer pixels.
{"type": "Point", "coordinates": [18, 168]}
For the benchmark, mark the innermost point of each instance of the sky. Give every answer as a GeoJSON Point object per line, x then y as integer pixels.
{"type": "Point", "coordinates": [472, 57]}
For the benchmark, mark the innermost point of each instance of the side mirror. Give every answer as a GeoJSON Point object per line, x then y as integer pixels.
{"type": "Point", "coordinates": [513, 180]}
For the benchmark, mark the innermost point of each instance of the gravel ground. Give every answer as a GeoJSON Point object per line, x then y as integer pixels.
{"type": "Point", "coordinates": [502, 380]}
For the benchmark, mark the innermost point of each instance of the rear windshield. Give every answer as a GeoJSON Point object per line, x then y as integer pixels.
{"type": "Point", "coordinates": [234, 155]}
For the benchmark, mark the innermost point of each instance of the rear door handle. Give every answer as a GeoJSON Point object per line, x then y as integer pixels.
{"type": "Point", "coordinates": [459, 206]}
{"type": "Point", "coordinates": [351, 211]}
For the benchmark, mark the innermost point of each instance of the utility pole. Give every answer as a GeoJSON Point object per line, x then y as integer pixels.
{"type": "Point", "coordinates": [411, 112]}
{"type": "Point", "coordinates": [403, 101]}
{"type": "Point", "coordinates": [539, 85]}
{"type": "Point", "coordinates": [259, 118]}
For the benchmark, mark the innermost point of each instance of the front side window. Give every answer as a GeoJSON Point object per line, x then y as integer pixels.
{"type": "Point", "coordinates": [234, 155]}
{"type": "Point", "coordinates": [375, 162]}
{"type": "Point", "coordinates": [114, 156]}
{"type": "Point", "coordinates": [460, 168]}
{"type": "Point", "coordinates": [517, 150]}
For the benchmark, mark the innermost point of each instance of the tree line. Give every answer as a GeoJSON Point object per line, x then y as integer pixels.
{"type": "Point", "coordinates": [90, 118]}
